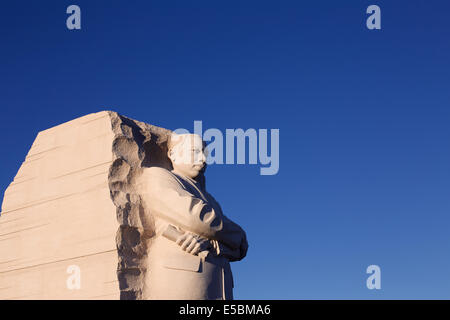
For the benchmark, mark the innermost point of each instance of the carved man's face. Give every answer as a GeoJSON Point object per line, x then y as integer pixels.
{"type": "Point", "coordinates": [188, 155]}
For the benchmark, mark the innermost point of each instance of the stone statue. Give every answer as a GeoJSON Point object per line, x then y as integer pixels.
{"type": "Point", "coordinates": [107, 207]}
{"type": "Point", "coordinates": [189, 255]}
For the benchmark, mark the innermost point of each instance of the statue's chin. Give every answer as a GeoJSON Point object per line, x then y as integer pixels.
{"type": "Point", "coordinates": [195, 175]}
{"type": "Point", "coordinates": [189, 174]}
{"type": "Point", "coordinates": [197, 171]}
{"type": "Point", "coordinates": [192, 172]}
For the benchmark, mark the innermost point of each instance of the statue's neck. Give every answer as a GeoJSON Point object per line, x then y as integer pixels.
{"type": "Point", "coordinates": [199, 181]}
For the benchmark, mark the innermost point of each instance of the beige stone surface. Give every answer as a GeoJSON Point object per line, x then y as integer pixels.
{"type": "Point", "coordinates": [88, 213]}
{"type": "Point", "coordinates": [72, 203]}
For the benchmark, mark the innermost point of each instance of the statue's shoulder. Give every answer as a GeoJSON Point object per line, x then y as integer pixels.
{"type": "Point", "coordinates": [158, 172]}
{"type": "Point", "coordinates": [158, 179]}
{"type": "Point", "coordinates": [159, 176]}
{"type": "Point", "coordinates": [153, 178]}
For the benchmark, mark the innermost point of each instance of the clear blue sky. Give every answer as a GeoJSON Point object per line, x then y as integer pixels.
{"type": "Point", "coordinates": [363, 116]}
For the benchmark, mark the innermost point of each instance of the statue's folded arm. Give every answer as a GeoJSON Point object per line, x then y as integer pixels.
{"type": "Point", "coordinates": [167, 199]}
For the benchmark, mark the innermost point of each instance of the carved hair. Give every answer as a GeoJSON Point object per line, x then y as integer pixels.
{"type": "Point", "coordinates": [175, 139]}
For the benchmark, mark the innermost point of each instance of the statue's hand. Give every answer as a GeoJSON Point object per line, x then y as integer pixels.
{"type": "Point", "coordinates": [192, 243]}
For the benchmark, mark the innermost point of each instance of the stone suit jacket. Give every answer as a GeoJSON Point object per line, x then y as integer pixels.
{"type": "Point", "coordinates": [172, 273]}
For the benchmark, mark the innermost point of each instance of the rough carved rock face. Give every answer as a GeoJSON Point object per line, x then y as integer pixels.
{"type": "Point", "coordinates": [58, 210]}
{"type": "Point", "coordinates": [136, 145]}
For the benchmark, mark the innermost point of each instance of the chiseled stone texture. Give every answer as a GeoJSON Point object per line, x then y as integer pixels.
{"type": "Point", "coordinates": [72, 203]}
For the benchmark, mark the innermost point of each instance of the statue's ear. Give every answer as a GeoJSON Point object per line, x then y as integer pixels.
{"type": "Point", "coordinates": [173, 154]}
{"type": "Point", "coordinates": [170, 154]}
